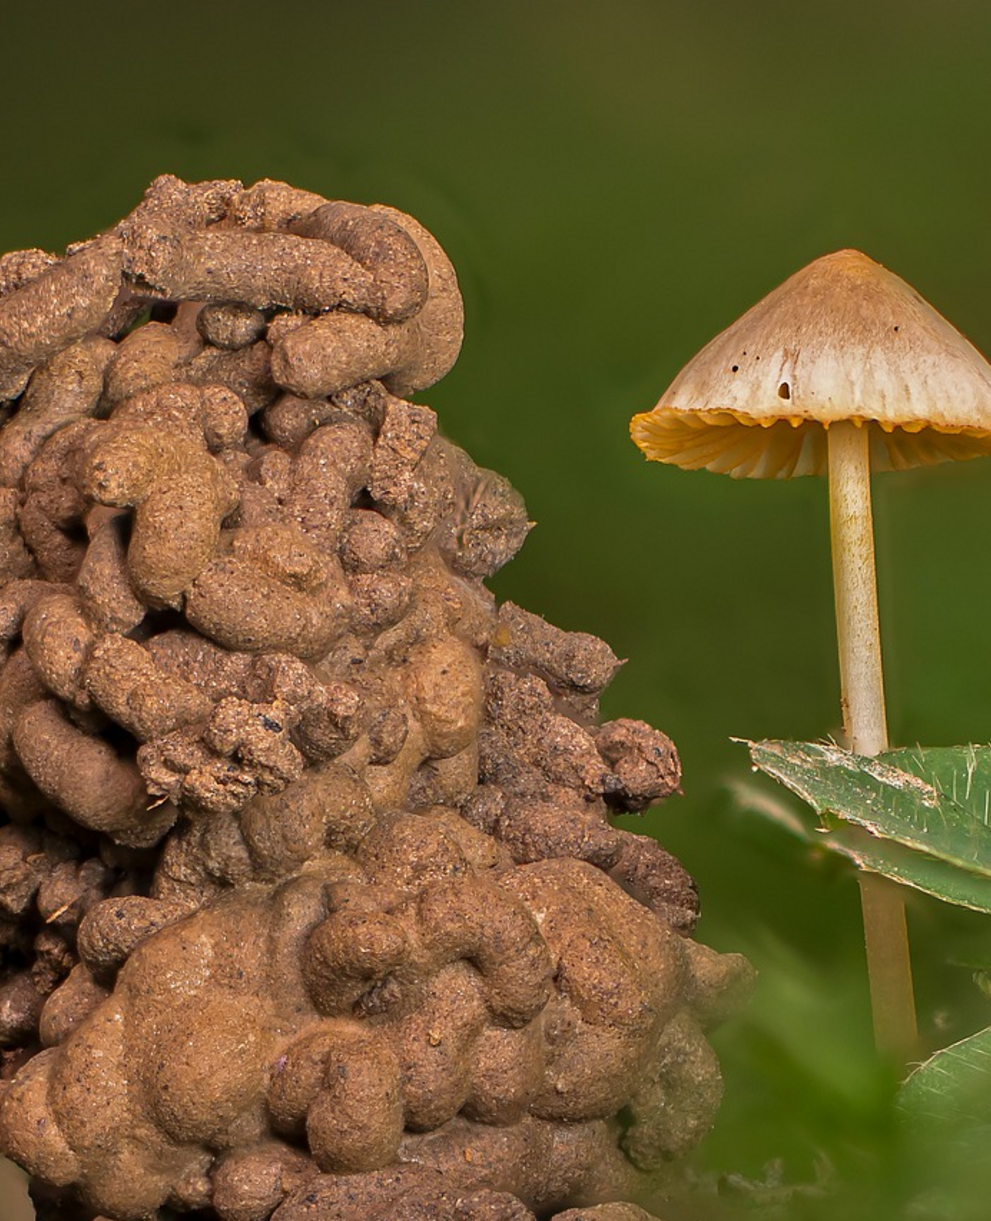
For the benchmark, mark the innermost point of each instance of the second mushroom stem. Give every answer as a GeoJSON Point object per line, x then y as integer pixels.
{"type": "Point", "coordinates": [862, 692]}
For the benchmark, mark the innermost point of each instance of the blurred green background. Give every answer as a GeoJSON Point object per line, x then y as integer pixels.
{"type": "Point", "coordinates": [616, 182]}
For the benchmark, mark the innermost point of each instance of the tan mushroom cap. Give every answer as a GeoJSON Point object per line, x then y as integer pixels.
{"type": "Point", "coordinates": [842, 339]}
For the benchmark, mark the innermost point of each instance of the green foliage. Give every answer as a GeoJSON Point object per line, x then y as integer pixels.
{"type": "Point", "coordinates": [952, 1089]}
{"type": "Point", "coordinates": [946, 1109]}
{"type": "Point", "coordinates": [919, 816]}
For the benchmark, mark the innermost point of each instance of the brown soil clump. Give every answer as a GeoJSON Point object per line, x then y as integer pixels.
{"type": "Point", "coordinates": [310, 903]}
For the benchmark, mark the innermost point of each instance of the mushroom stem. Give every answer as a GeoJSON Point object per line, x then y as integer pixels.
{"type": "Point", "coordinates": [864, 721]}
{"type": "Point", "coordinates": [858, 633]}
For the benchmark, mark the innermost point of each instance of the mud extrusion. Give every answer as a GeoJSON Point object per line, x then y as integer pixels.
{"type": "Point", "coordinates": [310, 905]}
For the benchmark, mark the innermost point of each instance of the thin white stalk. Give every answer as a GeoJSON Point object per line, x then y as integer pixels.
{"type": "Point", "coordinates": [858, 632]}
{"type": "Point", "coordinates": [865, 725]}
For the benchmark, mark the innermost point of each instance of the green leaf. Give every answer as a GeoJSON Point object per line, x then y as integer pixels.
{"type": "Point", "coordinates": [908, 865]}
{"type": "Point", "coordinates": [953, 1087]}
{"type": "Point", "coordinates": [945, 1106]}
{"type": "Point", "coordinates": [920, 816]}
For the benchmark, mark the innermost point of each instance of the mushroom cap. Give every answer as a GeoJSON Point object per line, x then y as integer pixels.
{"type": "Point", "coordinates": [842, 339]}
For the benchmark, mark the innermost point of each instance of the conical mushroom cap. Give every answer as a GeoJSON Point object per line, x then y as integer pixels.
{"type": "Point", "coordinates": [842, 339]}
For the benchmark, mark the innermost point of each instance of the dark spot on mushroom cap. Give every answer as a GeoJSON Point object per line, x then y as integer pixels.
{"type": "Point", "coordinates": [784, 391]}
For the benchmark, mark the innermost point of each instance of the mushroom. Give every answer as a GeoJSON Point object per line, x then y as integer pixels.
{"type": "Point", "coordinates": [845, 368]}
